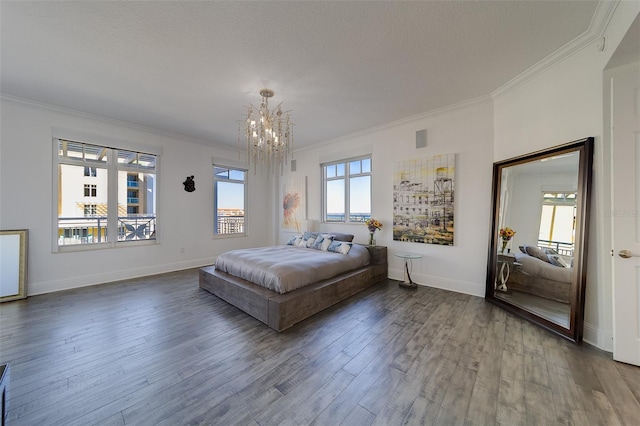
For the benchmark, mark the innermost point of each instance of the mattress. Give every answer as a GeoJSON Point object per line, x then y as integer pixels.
{"type": "Point", "coordinates": [286, 268]}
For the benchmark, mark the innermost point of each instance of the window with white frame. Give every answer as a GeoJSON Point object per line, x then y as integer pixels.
{"type": "Point", "coordinates": [229, 200]}
{"type": "Point", "coordinates": [558, 221]}
{"type": "Point", "coordinates": [346, 188]}
{"type": "Point", "coordinates": [123, 193]}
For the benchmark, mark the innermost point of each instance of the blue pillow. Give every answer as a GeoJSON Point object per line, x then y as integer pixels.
{"type": "Point", "coordinates": [308, 239]}
{"type": "Point", "coordinates": [292, 240]}
{"type": "Point", "coordinates": [339, 247]}
{"type": "Point", "coordinates": [317, 244]}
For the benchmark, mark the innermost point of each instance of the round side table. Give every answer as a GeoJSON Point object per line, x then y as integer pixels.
{"type": "Point", "coordinates": [408, 267]}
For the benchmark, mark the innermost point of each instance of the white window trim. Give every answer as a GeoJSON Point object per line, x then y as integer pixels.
{"type": "Point", "coordinates": [237, 165]}
{"type": "Point", "coordinates": [347, 192]}
{"type": "Point", "coordinates": [112, 196]}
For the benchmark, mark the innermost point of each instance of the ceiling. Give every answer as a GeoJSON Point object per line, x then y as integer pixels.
{"type": "Point", "coordinates": [190, 67]}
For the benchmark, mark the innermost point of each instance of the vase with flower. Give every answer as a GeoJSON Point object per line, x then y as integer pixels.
{"type": "Point", "coordinates": [373, 225]}
{"type": "Point", "coordinates": [506, 234]}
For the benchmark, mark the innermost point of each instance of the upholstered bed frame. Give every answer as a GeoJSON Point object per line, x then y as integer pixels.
{"type": "Point", "coordinates": [281, 311]}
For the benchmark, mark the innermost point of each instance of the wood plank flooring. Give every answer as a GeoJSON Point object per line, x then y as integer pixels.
{"type": "Point", "coordinates": [160, 351]}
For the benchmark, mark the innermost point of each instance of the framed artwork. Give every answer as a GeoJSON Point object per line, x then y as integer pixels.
{"type": "Point", "coordinates": [423, 200]}
{"type": "Point", "coordinates": [294, 209]}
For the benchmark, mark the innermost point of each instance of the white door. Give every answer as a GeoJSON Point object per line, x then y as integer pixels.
{"type": "Point", "coordinates": [625, 105]}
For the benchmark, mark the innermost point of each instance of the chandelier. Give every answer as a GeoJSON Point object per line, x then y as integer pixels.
{"type": "Point", "coordinates": [268, 135]}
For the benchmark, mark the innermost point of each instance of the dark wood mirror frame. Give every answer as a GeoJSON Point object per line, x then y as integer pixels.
{"type": "Point", "coordinates": [584, 148]}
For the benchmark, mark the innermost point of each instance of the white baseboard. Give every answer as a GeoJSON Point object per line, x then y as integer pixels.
{"type": "Point", "coordinates": [601, 339]}
{"type": "Point", "coordinates": [35, 288]}
{"type": "Point", "coordinates": [474, 289]}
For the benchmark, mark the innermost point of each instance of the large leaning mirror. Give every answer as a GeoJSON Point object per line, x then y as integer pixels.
{"type": "Point", "coordinates": [537, 251]}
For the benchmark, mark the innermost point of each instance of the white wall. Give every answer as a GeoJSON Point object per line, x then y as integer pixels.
{"type": "Point", "coordinates": [185, 219]}
{"type": "Point", "coordinates": [562, 104]}
{"type": "Point", "coordinates": [465, 130]}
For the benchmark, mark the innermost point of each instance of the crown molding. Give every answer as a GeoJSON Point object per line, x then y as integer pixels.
{"type": "Point", "coordinates": [597, 27]}
{"type": "Point", "coordinates": [111, 121]}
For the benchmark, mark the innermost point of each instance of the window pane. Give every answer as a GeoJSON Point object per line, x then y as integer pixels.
{"type": "Point", "coordinates": [236, 174]}
{"type": "Point", "coordinates": [545, 223]}
{"type": "Point", "coordinates": [81, 151]}
{"type": "Point", "coordinates": [563, 225]}
{"type": "Point", "coordinates": [331, 171]}
{"type": "Point", "coordinates": [127, 157]}
{"type": "Point", "coordinates": [71, 149]}
{"type": "Point", "coordinates": [136, 206]}
{"type": "Point", "coordinates": [359, 198]}
{"type": "Point", "coordinates": [94, 153]}
{"type": "Point", "coordinates": [230, 212]}
{"type": "Point", "coordinates": [335, 200]}
{"type": "Point", "coordinates": [221, 172]}
{"type": "Point", "coordinates": [340, 169]}
{"type": "Point", "coordinates": [354, 167]}
{"type": "Point", "coordinates": [366, 165]}
{"type": "Point", "coordinates": [147, 161]}
{"type": "Point", "coordinates": [73, 226]}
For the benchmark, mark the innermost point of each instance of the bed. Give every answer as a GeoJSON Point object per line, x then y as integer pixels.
{"type": "Point", "coordinates": [283, 285]}
{"type": "Point", "coordinates": [543, 273]}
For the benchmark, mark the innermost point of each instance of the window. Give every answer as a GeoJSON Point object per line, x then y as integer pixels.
{"type": "Point", "coordinates": [115, 214]}
{"type": "Point", "coordinates": [230, 195]}
{"type": "Point", "coordinates": [90, 190]}
{"type": "Point", "coordinates": [90, 209]}
{"type": "Point", "coordinates": [558, 222]}
{"type": "Point", "coordinates": [347, 190]}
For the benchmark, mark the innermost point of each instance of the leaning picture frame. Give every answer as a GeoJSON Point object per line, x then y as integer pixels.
{"type": "Point", "coordinates": [13, 264]}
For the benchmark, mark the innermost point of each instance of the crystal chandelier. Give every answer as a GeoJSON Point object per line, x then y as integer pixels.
{"type": "Point", "coordinates": [268, 135]}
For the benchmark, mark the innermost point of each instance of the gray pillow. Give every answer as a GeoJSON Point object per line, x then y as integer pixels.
{"type": "Point", "coordinates": [338, 236]}
{"type": "Point", "coordinates": [536, 251]}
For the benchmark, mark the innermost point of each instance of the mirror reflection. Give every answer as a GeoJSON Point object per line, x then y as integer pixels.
{"type": "Point", "coordinates": [537, 219]}
{"type": "Point", "coordinates": [537, 247]}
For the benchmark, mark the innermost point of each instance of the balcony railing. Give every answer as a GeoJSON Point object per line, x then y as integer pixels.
{"type": "Point", "coordinates": [230, 225]}
{"type": "Point", "coordinates": [93, 229]}
{"type": "Point", "coordinates": [564, 249]}
{"type": "Point", "coordinates": [354, 217]}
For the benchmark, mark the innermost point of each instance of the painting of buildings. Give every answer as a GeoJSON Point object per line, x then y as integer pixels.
{"type": "Point", "coordinates": [423, 200]}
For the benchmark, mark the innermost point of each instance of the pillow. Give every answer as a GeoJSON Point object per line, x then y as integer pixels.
{"type": "Point", "coordinates": [339, 247]}
{"type": "Point", "coordinates": [345, 247]}
{"type": "Point", "coordinates": [338, 236]}
{"type": "Point", "coordinates": [557, 260]}
{"type": "Point", "coordinates": [326, 242]}
{"type": "Point", "coordinates": [292, 240]}
{"type": "Point", "coordinates": [317, 244]}
{"type": "Point", "coordinates": [308, 239]}
{"type": "Point", "coordinates": [535, 251]}
{"type": "Point", "coordinates": [550, 251]}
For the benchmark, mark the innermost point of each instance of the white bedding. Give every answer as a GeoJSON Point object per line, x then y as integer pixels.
{"type": "Point", "coordinates": [533, 266]}
{"type": "Point", "coordinates": [286, 268]}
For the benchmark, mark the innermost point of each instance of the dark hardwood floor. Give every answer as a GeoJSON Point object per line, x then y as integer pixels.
{"type": "Point", "coordinates": [159, 350]}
